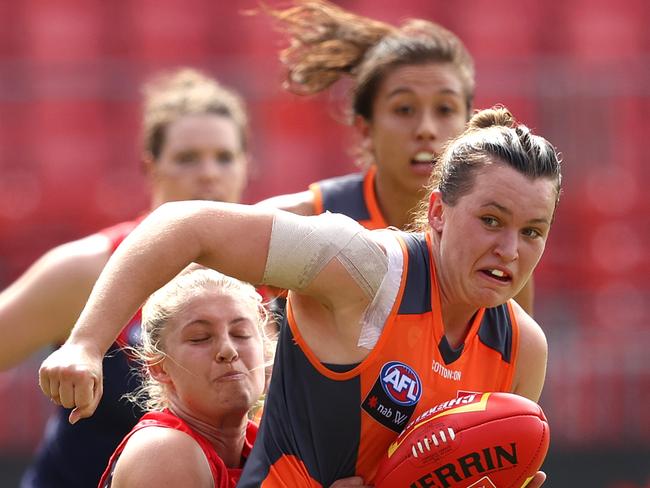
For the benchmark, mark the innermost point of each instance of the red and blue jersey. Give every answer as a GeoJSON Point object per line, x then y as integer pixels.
{"type": "Point", "coordinates": [76, 455]}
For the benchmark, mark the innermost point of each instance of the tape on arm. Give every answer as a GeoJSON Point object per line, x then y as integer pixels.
{"type": "Point", "coordinates": [301, 247]}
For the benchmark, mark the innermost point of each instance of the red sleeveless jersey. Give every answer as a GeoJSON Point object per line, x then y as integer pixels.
{"type": "Point", "coordinates": [223, 476]}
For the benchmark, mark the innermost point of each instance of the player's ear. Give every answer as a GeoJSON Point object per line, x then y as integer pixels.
{"type": "Point", "coordinates": [364, 130]}
{"type": "Point", "coordinates": [158, 370]}
{"type": "Point", "coordinates": [148, 164]}
{"type": "Point", "coordinates": [436, 215]}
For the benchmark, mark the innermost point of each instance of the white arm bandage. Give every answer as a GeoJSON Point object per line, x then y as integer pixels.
{"type": "Point", "coordinates": [301, 247]}
{"type": "Point", "coordinates": [374, 318]}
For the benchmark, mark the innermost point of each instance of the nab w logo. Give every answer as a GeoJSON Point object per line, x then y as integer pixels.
{"type": "Point", "coordinates": [401, 383]}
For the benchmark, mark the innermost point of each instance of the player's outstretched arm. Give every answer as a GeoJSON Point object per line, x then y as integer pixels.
{"type": "Point", "coordinates": [231, 238]}
{"type": "Point", "coordinates": [298, 203]}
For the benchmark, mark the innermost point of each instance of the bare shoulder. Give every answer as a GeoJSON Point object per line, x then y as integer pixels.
{"type": "Point", "coordinates": [301, 203]}
{"type": "Point", "coordinates": [87, 254]}
{"type": "Point", "coordinates": [531, 335]}
{"type": "Point", "coordinates": [179, 460]}
{"type": "Point", "coordinates": [42, 305]}
{"type": "Point", "coordinates": [75, 265]}
{"type": "Point", "coordinates": [72, 264]}
{"type": "Point", "coordinates": [532, 356]}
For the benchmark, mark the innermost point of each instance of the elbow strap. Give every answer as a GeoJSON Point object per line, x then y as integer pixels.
{"type": "Point", "coordinates": [301, 247]}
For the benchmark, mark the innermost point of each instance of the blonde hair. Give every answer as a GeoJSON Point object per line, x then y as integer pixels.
{"type": "Point", "coordinates": [165, 303]}
{"type": "Point", "coordinates": [492, 135]}
{"type": "Point", "coordinates": [187, 91]}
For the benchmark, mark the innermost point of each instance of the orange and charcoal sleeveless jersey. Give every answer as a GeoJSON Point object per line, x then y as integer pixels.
{"type": "Point", "coordinates": [352, 195]}
{"type": "Point", "coordinates": [326, 422]}
{"type": "Point", "coordinates": [222, 476]}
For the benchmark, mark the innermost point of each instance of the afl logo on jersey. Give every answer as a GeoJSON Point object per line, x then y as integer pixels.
{"type": "Point", "coordinates": [401, 383]}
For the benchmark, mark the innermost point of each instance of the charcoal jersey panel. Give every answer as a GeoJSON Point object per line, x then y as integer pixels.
{"type": "Point", "coordinates": [352, 195]}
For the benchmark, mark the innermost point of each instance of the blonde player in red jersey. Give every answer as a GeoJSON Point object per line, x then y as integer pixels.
{"type": "Point", "coordinates": [382, 324]}
{"type": "Point", "coordinates": [202, 362]}
{"type": "Point", "coordinates": [202, 357]}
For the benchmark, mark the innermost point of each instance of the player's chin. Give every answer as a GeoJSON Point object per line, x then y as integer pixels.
{"type": "Point", "coordinates": [492, 298]}
{"type": "Point", "coordinates": [236, 401]}
{"type": "Point", "coordinates": [245, 393]}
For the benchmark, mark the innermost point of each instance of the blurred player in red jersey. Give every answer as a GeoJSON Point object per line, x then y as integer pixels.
{"type": "Point", "coordinates": [195, 147]}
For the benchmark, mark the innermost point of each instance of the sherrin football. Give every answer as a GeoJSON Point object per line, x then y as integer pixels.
{"type": "Point", "coordinates": [481, 440]}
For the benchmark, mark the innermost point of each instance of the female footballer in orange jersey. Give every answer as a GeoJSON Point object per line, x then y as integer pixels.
{"type": "Point", "coordinates": [381, 324]}
{"type": "Point", "coordinates": [413, 88]}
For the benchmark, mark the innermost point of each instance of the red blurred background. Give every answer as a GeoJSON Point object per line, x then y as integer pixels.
{"type": "Point", "coordinates": [577, 71]}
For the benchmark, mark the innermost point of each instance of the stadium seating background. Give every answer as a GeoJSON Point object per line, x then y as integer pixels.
{"type": "Point", "coordinates": [577, 71]}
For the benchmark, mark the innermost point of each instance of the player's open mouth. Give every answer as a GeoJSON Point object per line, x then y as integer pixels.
{"type": "Point", "coordinates": [497, 274]}
{"type": "Point", "coordinates": [423, 161]}
{"type": "Point", "coordinates": [423, 157]}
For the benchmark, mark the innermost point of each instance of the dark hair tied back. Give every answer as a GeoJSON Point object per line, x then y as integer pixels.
{"type": "Point", "coordinates": [492, 137]}
{"type": "Point", "coordinates": [496, 116]}
{"type": "Point", "coordinates": [525, 138]}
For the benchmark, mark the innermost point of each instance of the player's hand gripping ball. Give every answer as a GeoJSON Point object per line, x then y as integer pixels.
{"type": "Point", "coordinates": [483, 440]}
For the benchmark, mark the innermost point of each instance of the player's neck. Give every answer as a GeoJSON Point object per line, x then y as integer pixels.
{"type": "Point", "coordinates": [457, 315]}
{"type": "Point", "coordinates": [226, 433]}
{"type": "Point", "coordinates": [396, 205]}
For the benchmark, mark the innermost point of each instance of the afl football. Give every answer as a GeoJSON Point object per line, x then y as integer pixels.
{"type": "Point", "coordinates": [480, 440]}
